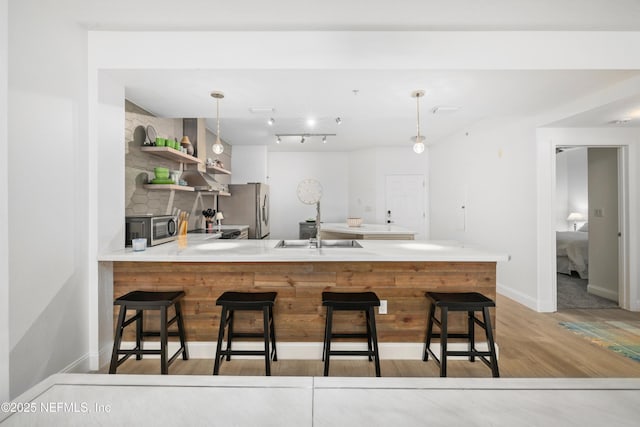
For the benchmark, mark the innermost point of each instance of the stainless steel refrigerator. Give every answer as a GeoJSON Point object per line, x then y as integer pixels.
{"type": "Point", "coordinates": [247, 205]}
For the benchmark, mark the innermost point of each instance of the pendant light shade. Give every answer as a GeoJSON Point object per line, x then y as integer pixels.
{"type": "Point", "coordinates": [418, 145]}
{"type": "Point", "coordinates": [217, 147]}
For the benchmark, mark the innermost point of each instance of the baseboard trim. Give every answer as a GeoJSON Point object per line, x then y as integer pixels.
{"type": "Point", "coordinates": [517, 296]}
{"type": "Point", "coordinates": [602, 292]}
{"type": "Point", "coordinates": [78, 366]}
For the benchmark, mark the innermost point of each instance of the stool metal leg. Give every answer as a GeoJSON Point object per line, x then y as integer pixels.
{"type": "Point", "coordinates": [164, 338]}
{"type": "Point", "coordinates": [223, 321]}
{"type": "Point", "coordinates": [374, 336]}
{"type": "Point", "coordinates": [267, 359]}
{"type": "Point", "coordinates": [181, 332]}
{"type": "Point", "coordinates": [139, 335]}
{"type": "Point", "coordinates": [369, 339]}
{"type": "Point", "coordinates": [492, 347]}
{"type": "Point", "coordinates": [472, 335]}
{"type": "Point", "coordinates": [273, 334]}
{"type": "Point", "coordinates": [230, 334]}
{"type": "Point", "coordinates": [324, 344]}
{"type": "Point", "coordinates": [427, 343]}
{"type": "Point", "coordinates": [117, 340]}
{"type": "Point", "coordinates": [444, 311]}
{"type": "Point", "coordinates": [327, 340]}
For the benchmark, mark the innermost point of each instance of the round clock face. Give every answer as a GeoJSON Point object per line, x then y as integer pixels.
{"type": "Point", "coordinates": [309, 191]}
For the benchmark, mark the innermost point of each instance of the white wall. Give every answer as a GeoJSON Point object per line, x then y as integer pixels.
{"type": "Point", "coordinates": [4, 203]}
{"type": "Point", "coordinates": [286, 170]}
{"type": "Point", "coordinates": [490, 172]}
{"type": "Point", "coordinates": [562, 191]}
{"type": "Point", "coordinates": [249, 164]}
{"type": "Point", "coordinates": [48, 178]}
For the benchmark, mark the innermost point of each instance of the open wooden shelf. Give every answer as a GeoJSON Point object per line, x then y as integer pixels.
{"type": "Point", "coordinates": [216, 169]}
{"type": "Point", "coordinates": [167, 187]}
{"type": "Point", "coordinates": [223, 193]}
{"type": "Point", "coordinates": [171, 154]}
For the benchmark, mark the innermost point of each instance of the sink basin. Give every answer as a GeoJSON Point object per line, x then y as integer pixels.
{"type": "Point", "coordinates": [305, 244]}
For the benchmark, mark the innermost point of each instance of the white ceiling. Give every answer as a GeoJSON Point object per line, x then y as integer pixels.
{"type": "Point", "coordinates": [382, 112]}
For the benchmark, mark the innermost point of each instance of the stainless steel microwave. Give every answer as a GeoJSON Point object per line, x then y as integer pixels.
{"type": "Point", "coordinates": [156, 229]}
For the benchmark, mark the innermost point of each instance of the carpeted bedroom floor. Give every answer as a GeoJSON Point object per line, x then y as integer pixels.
{"type": "Point", "coordinates": [572, 293]}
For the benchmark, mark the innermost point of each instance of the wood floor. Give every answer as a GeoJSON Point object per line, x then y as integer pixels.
{"type": "Point", "coordinates": [532, 345]}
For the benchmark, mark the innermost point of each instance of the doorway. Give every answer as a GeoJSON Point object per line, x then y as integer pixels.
{"type": "Point", "coordinates": [587, 223]}
{"type": "Point", "coordinates": [405, 202]}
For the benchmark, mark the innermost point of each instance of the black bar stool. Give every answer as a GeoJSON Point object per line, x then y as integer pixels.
{"type": "Point", "coordinates": [141, 301]}
{"type": "Point", "coordinates": [351, 301]}
{"type": "Point", "coordinates": [247, 301]}
{"type": "Point", "coordinates": [460, 301]}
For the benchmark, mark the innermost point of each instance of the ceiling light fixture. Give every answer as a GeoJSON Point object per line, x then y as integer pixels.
{"type": "Point", "coordinates": [311, 122]}
{"type": "Point", "coordinates": [338, 120]}
{"type": "Point", "coordinates": [271, 121]}
{"type": "Point", "coordinates": [218, 148]}
{"type": "Point", "coordinates": [303, 136]}
{"type": "Point", "coordinates": [418, 145]}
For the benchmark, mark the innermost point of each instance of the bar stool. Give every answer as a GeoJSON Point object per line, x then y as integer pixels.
{"type": "Point", "coordinates": [351, 301]}
{"type": "Point", "coordinates": [142, 301]}
{"type": "Point", "coordinates": [246, 301]}
{"type": "Point", "coordinates": [460, 301]}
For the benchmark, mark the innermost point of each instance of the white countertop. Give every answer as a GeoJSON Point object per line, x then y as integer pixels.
{"type": "Point", "coordinates": [95, 399]}
{"type": "Point", "coordinates": [207, 248]}
{"type": "Point", "coordinates": [369, 229]}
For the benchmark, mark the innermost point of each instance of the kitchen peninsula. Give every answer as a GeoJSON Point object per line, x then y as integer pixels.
{"type": "Point", "coordinates": [399, 271]}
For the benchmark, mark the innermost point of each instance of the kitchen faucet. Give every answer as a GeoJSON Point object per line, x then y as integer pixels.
{"type": "Point", "coordinates": [317, 241]}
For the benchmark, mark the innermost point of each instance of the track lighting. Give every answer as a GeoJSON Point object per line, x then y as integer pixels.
{"type": "Point", "coordinates": [338, 120]}
{"type": "Point", "coordinates": [271, 121]}
{"type": "Point", "coordinates": [304, 137]}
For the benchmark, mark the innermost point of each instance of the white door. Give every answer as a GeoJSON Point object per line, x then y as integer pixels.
{"type": "Point", "coordinates": [405, 205]}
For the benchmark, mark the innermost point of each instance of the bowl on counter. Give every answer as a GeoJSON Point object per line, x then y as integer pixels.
{"type": "Point", "coordinates": [354, 222]}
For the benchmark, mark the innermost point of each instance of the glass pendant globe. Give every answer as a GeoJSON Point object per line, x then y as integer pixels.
{"type": "Point", "coordinates": [218, 148]}
{"type": "Point", "coordinates": [418, 147]}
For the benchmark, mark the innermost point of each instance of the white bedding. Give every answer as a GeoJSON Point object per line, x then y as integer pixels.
{"type": "Point", "coordinates": [572, 252]}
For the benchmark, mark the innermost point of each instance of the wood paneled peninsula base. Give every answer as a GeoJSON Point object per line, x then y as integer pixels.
{"type": "Point", "coordinates": [299, 314]}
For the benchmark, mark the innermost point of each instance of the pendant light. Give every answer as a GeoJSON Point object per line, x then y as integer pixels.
{"type": "Point", "coordinates": [418, 145]}
{"type": "Point", "coordinates": [218, 148]}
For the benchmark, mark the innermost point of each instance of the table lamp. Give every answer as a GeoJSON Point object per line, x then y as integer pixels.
{"type": "Point", "coordinates": [575, 216]}
{"type": "Point", "coordinates": [218, 218]}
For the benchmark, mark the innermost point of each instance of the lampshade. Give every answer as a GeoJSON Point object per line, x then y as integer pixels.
{"type": "Point", "coordinates": [219, 216]}
{"type": "Point", "coordinates": [576, 216]}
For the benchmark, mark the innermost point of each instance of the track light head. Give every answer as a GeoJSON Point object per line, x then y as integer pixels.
{"type": "Point", "coordinates": [271, 121]}
{"type": "Point", "coordinates": [338, 120]}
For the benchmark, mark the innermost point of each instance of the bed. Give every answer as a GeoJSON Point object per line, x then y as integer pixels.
{"type": "Point", "coordinates": [572, 252]}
